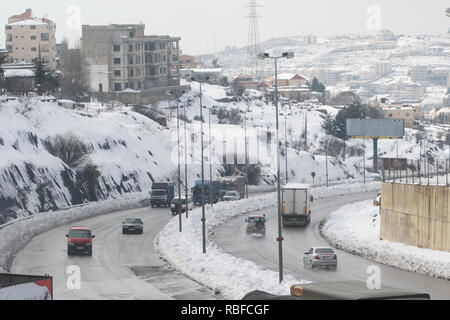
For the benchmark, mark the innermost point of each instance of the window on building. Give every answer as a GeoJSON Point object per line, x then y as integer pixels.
{"type": "Point", "coordinates": [117, 87]}
{"type": "Point", "coordinates": [407, 114]}
{"type": "Point", "coordinates": [130, 60]}
{"type": "Point", "coordinates": [148, 58]}
{"type": "Point", "coordinates": [117, 73]}
{"type": "Point", "coordinates": [33, 37]}
{"type": "Point", "coordinates": [33, 27]}
{"type": "Point", "coordinates": [130, 48]}
{"type": "Point", "coordinates": [9, 37]}
{"type": "Point", "coordinates": [116, 60]}
{"type": "Point", "coordinates": [33, 49]}
{"type": "Point", "coordinates": [390, 115]}
{"type": "Point", "coordinates": [100, 87]}
{"type": "Point", "coordinates": [44, 36]}
{"type": "Point", "coordinates": [131, 73]}
{"type": "Point", "coordinates": [8, 27]}
{"type": "Point", "coordinates": [116, 48]}
{"type": "Point", "coordinates": [9, 49]}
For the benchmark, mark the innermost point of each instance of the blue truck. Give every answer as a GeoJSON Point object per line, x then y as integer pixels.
{"type": "Point", "coordinates": [215, 186]}
{"type": "Point", "coordinates": [162, 194]}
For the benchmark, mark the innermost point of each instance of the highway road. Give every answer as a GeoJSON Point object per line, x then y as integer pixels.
{"type": "Point", "coordinates": [122, 266]}
{"type": "Point", "coordinates": [232, 237]}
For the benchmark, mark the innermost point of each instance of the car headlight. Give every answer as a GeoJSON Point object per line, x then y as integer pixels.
{"type": "Point", "coordinates": [89, 244]}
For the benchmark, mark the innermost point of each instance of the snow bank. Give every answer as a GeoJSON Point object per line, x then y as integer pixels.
{"type": "Point", "coordinates": [15, 235]}
{"type": "Point", "coordinates": [355, 228]}
{"type": "Point", "coordinates": [232, 277]}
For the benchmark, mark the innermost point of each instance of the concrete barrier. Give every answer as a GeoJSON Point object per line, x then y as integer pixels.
{"type": "Point", "coordinates": [416, 215]}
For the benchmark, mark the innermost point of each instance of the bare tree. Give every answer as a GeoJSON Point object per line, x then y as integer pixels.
{"type": "Point", "coordinates": [75, 80]}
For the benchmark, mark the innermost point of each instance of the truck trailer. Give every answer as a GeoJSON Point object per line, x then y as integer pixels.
{"type": "Point", "coordinates": [233, 183]}
{"type": "Point", "coordinates": [214, 186]}
{"type": "Point", "coordinates": [296, 205]}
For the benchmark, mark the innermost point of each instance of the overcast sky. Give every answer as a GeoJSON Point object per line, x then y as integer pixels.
{"type": "Point", "coordinates": [209, 25]}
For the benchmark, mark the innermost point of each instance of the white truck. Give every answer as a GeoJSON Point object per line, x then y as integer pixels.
{"type": "Point", "coordinates": [296, 205]}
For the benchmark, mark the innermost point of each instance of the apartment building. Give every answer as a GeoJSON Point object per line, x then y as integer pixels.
{"type": "Point", "coordinates": [123, 58]}
{"type": "Point", "coordinates": [27, 37]}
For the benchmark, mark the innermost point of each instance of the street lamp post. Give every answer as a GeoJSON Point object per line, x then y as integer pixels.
{"type": "Point", "coordinates": [287, 55]}
{"type": "Point", "coordinates": [286, 148]}
{"type": "Point", "coordinates": [203, 168]}
{"type": "Point", "coordinates": [210, 161]}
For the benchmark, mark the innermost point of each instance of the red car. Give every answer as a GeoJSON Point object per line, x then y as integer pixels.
{"type": "Point", "coordinates": [79, 241]}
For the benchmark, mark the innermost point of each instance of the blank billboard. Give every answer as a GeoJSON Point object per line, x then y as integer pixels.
{"type": "Point", "coordinates": [376, 128]}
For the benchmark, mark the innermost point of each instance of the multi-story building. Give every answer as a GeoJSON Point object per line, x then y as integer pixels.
{"type": "Point", "coordinates": [385, 35]}
{"type": "Point", "coordinates": [407, 113]}
{"type": "Point", "coordinates": [383, 68]}
{"type": "Point", "coordinates": [122, 57]}
{"type": "Point", "coordinates": [418, 74]}
{"type": "Point", "coordinates": [28, 37]}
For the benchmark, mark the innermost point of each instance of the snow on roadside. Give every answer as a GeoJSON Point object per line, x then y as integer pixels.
{"type": "Point", "coordinates": [220, 271]}
{"type": "Point", "coordinates": [15, 235]}
{"type": "Point", "coordinates": [353, 229]}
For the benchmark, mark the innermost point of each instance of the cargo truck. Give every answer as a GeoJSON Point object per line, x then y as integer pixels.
{"type": "Point", "coordinates": [197, 191]}
{"type": "Point", "coordinates": [232, 183]}
{"type": "Point", "coordinates": [296, 205]}
{"type": "Point", "coordinates": [162, 194]}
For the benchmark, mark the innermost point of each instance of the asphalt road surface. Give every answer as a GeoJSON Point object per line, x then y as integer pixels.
{"type": "Point", "coordinates": [232, 237]}
{"type": "Point", "coordinates": [122, 266]}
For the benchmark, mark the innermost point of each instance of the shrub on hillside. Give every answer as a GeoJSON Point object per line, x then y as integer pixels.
{"type": "Point", "coordinates": [68, 147]}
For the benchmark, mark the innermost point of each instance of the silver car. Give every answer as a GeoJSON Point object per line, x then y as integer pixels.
{"type": "Point", "coordinates": [325, 257]}
{"type": "Point", "coordinates": [133, 225]}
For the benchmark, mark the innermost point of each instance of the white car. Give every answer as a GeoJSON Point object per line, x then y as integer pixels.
{"type": "Point", "coordinates": [325, 257]}
{"type": "Point", "coordinates": [232, 196]}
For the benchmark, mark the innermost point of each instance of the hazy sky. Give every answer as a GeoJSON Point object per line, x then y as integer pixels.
{"type": "Point", "coordinates": [209, 25]}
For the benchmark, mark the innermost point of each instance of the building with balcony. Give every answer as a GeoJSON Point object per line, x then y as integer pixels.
{"type": "Point", "coordinates": [123, 58]}
{"type": "Point", "coordinates": [28, 37]}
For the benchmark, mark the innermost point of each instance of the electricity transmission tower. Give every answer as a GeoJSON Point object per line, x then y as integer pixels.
{"type": "Point", "coordinates": [253, 38]}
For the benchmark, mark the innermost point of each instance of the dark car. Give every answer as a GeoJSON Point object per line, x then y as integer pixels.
{"type": "Point", "coordinates": [256, 225]}
{"type": "Point", "coordinates": [79, 240]}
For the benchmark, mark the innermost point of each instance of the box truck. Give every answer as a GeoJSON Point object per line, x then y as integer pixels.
{"type": "Point", "coordinates": [296, 205]}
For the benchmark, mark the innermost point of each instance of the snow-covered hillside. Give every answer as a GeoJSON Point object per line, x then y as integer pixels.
{"type": "Point", "coordinates": [131, 151]}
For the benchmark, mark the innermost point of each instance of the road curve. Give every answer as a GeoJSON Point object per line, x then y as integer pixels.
{"type": "Point", "coordinates": [232, 237]}
{"type": "Point", "coordinates": [122, 266]}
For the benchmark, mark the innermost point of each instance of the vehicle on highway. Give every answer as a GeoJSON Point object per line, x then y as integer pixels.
{"type": "Point", "coordinates": [209, 188]}
{"type": "Point", "coordinates": [79, 240]}
{"type": "Point", "coordinates": [296, 201]}
{"type": "Point", "coordinates": [176, 201]}
{"type": "Point", "coordinates": [323, 257]}
{"type": "Point", "coordinates": [162, 194]}
{"type": "Point", "coordinates": [232, 196]}
{"type": "Point", "coordinates": [133, 225]}
{"type": "Point", "coordinates": [256, 225]}
{"type": "Point", "coordinates": [232, 183]}
{"type": "Point", "coordinates": [340, 290]}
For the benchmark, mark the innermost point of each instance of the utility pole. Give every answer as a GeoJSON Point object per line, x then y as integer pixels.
{"type": "Point", "coordinates": [306, 130]}
{"type": "Point", "coordinates": [210, 162]}
{"type": "Point", "coordinates": [179, 168]}
{"type": "Point", "coordinates": [186, 164]}
{"type": "Point", "coordinates": [364, 159]}
{"type": "Point", "coordinates": [246, 155]}
{"type": "Point", "coordinates": [286, 148]}
{"type": "Point", "coordinates": [203, 167]}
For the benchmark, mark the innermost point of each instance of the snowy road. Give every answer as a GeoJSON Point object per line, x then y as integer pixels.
{"type": "Point", "coordinates": [264, 251]}
{"type": "Point", "coordinates": [122, 266]}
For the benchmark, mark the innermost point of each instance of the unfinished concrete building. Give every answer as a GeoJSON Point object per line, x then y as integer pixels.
{"type": "Point", "coordinates": [123, 59]}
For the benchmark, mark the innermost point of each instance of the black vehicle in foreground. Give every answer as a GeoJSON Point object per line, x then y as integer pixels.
{"type": "Point", "coordinates": [342, 290]}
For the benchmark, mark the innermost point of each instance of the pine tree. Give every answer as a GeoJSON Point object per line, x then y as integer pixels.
{"type": "Point", "coordinates": [46, 80]}
{"type": "Point", "coordinates": [316, 86]}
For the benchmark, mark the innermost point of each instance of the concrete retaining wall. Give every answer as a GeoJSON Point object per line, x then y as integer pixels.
{"type": "Point", "coordinates": [416, 215]}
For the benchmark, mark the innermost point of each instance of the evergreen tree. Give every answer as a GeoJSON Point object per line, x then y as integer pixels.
{"type": "Point", "coordinates": [337, 126]}
{"type": "Point", "coordinates": [46, 80]}
{"type": "Point", "coordinates": [316, 86]}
